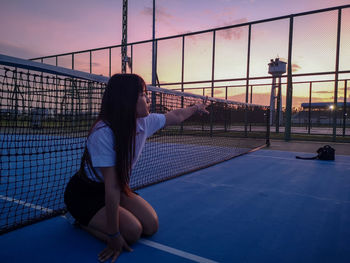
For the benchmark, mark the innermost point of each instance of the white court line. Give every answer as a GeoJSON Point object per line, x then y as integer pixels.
{"type": "Point", "coordinates": [293, 158]}
{"type": "Point", "coordinates": [176, 252]}
{"type": "Point", "coordinates": [149, 243]}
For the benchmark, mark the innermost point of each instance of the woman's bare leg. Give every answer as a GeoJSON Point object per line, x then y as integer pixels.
{"type": "Point", "coordinates": [129, 226]}
{"type": "Point", "coordinates": [142, 210]}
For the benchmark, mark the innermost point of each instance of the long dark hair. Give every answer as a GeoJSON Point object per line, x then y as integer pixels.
{"type": "Point", "coordinates": [118, 111]}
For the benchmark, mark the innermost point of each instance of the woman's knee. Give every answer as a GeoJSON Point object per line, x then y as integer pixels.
{"type": "Point", "coordinates": [131, 231]}
{"type": "Point", "coordinates": [150, 225]}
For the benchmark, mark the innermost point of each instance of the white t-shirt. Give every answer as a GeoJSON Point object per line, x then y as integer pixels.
{"type": "Point", "coordinates": [101, 143]}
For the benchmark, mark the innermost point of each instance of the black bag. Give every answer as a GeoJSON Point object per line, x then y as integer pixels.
{"type": "Point", "coordinates": [324, 153]}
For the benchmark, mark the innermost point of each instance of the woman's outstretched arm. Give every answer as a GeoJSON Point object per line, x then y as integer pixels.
{"type": "Point", "coordinates": [175, 117]}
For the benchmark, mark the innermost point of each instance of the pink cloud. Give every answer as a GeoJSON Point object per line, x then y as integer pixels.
{"type": "Point", "coordinates": [234, 33]}
{"type": "Point", "coordinates": [16, 50]}
{"type": "Point", "coordinates": [50, 35]}
{"type": "Point", "coordinates": [295, 67]}
{"type": "Point", "coordinates": [161, 13]}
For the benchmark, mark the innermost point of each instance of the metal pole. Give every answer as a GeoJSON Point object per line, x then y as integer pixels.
{"type": "Point", "coordinates": [72, 60]}
{"type": "Point", "coordinates": [212, 83]}
{"type": "Point", "coordinates": [251, 93]}
{"type": "Point", "coordinates": [309, 122]}
{"type": "Point", "coordinates": [154, 76]}
{"type": "Point", "coordinates": [278, 110]}
{"type": "Point", "coordinates": [110, 63]}
{"type": "Point", "coordinates": [248, 62]}
{"type": "Point", "coordinates": [131, 59]}
{"type": "Point", "coordinates": [290, 83]}
{"type": "Point", "coordinates": [344, 107]}
{"type": "Point", "coordinates": [213, 66]}
{"type": "Point", "coordinates": [247, 81]}
{"type": "Point", "coordinates": [203, 118]}
{"type": "Point", "coordinates": [182, 77]}
{"type": "Point", "coordinates": [226, 111]}
{"type": "Point", "coordinates": [154, 72]}
{"type": "Point", "coordinates": [90, 62]}
{"type": "Point", "coordinates": [272, 101]}
{"type": "Point", "coordinates": [124, 35]}
{"type": "Point", "coordinates": [183, 63]}
{"type": "Point", "coordinates": [251, 101]}
{"type": "Point", "coordinates": [335, 109]}
{"type": "Point", "coordinates": [154, 62]}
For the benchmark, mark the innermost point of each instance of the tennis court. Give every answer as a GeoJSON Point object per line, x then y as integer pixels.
{"type": "Point", "coordinates": [230, 197]}
{"type": "Point", "coordinates": [265, 206]}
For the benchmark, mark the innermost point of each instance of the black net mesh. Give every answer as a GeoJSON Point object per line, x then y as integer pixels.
{"type": "Point", "coordinates": [45, 119]}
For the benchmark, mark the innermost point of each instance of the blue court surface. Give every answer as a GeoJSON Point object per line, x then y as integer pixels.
{"type": "Point", "coordinates": [265, 206]}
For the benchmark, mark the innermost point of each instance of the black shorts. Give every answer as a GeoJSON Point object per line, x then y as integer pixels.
{"type": "Point", "coordinates": [84, 198]}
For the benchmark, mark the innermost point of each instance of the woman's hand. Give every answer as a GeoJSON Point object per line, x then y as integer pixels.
{"type": "Point", "coordinates": [114, 247]}
{"type": "Point", "coordinates": [177, 116]}
{"type": "Point", "coordinates": [201, 107]}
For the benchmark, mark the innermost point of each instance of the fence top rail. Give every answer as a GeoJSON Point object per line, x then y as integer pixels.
{"type": "Point", "coordinates": [257, 78]}
{"type": "Point", "coordinates": [204, 98]}
{"type": "Point", "coordinates": [36, 66]}
{"type": "Point", "coordinates": [201, 32]}
{"type": "Point", "coordinates": [254, 85]}
{"type": "Point", "coordinates": [41, 67]}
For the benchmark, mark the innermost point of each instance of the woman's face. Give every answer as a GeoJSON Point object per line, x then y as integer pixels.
{"type": "Point", "coordinates": [142, 105]}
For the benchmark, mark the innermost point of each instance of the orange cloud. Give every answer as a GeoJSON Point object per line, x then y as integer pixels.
{"type": "Point", "coordinates": [295, 67]}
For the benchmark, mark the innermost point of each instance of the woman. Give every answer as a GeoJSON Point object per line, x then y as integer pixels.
{"type": "Point", "coordinates": [99, 196]}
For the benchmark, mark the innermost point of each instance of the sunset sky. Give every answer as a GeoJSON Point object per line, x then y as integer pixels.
{"type": "Point", "coordinates": [46, 27]}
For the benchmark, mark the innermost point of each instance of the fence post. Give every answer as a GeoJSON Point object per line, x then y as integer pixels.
{"type": "Point", "coordinates": [309, 122]}
{"type": "Point", "coordinates": [247, 82]}
{"type": "Point", "coordinates": [335, 108]}
{"type": "Point", "coordinates": [344, 107]}
{"type": "Point", "coordinates": [212, 83]}
{"type": "Point", "coordinates": [109, 62]}
{"type": "Point", "coordinates": [182, 75]}
{"type": "Point", "coordinates": [290, 83]}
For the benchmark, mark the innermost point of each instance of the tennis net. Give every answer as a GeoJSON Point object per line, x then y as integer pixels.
{"type": "Point", "coordinates": [47, 111]}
